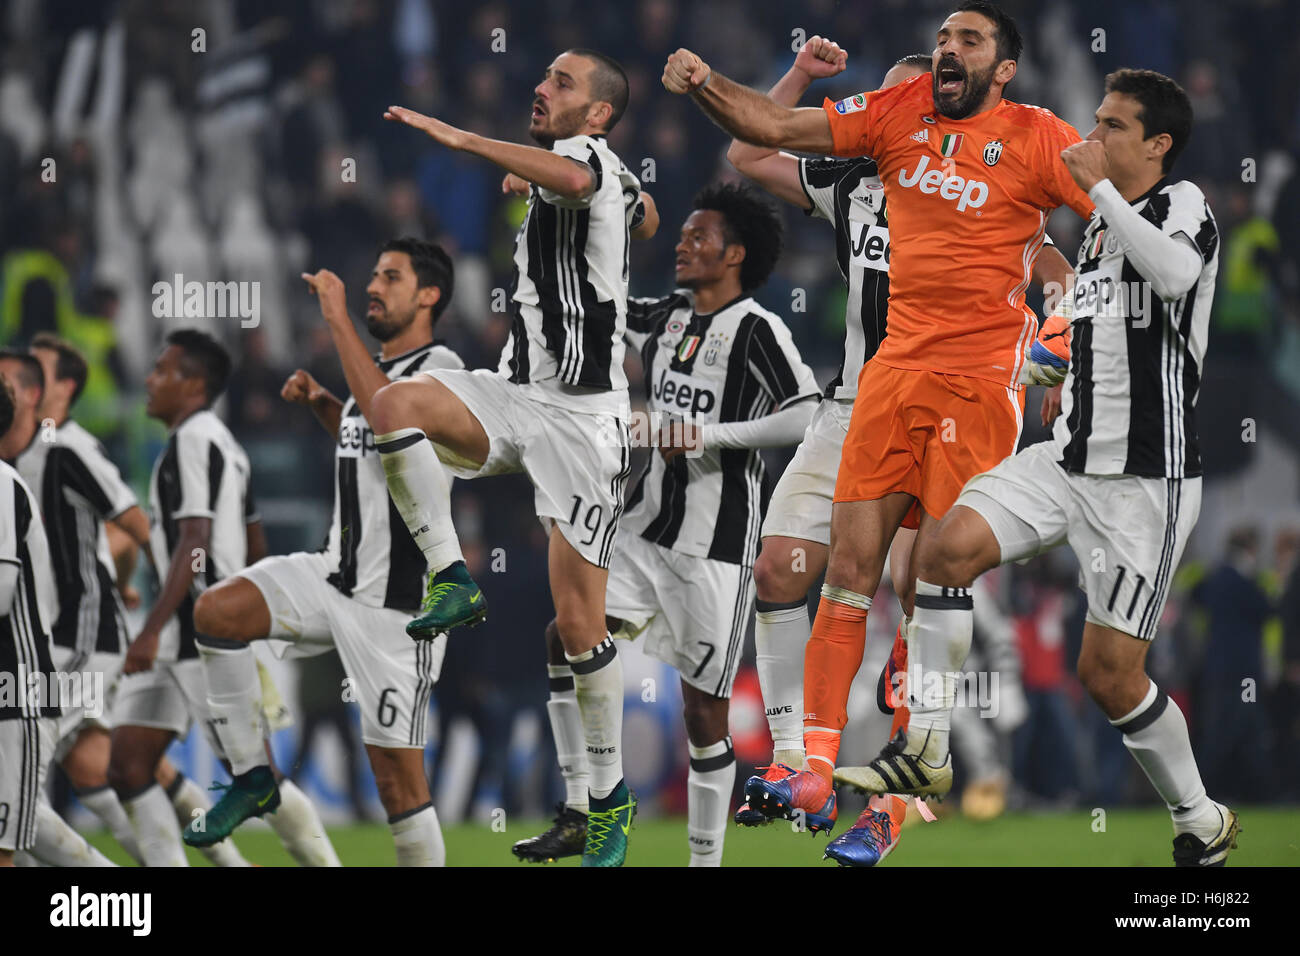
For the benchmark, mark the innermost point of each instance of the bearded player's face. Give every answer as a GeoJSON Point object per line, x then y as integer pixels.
{"type": "Point", "coordinates": [562, 100]}
{"type": "Point", "coordinates": [965, 59]}
{"type": "Point", "coordinates": [394, 296]}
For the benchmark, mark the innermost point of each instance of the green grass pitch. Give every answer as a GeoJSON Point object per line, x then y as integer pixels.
{"type": "Point", "coordinates": [1270, 837]}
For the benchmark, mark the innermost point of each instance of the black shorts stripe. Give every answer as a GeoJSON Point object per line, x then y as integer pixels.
{"type": "Point", "coordinates": [739, 622]}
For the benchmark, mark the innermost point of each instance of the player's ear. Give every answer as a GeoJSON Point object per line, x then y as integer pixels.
{"type": "Point", "coordinates": [1005, 72]}
{"type": "Point", "coordinates": [599, 114]}
{"type": "Point", "coordinates": [734, 254]}
{"type": "Point", "coordinates": [1158, 145]}
{"type": "Point", "coordinates": [428, 296]}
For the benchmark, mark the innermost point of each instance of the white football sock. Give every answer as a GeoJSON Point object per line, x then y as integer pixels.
{"type": "Point", "coordinates": [422, 493]}
{"type": "Point", "coordinates": [157, 833]}
{"type": "Point", "coordinates": [57, 844]}
{"type": "Point", "coordinates": [708, 800]}
{"type": "Point", "coordinates": [186, 797]}
{"type": "Point", "coordinates": [298, 826]}
{"type": "Point", "coordinates": [566, 728]}
{"type": "Point", "coordinates": [598, 686]}
{"type": "Point", "coordinates": [1155, 733]}
{"type": "Point", "coordinates": [103, 803]}
{"type": "Point", "coordinates": [235, 703]}
{"type": "Point", "coordinates": [939, 638]}
{"type": "Point", "coordinates": [781, 634]}
{"type": "Point", "coordinates": [418, 838]}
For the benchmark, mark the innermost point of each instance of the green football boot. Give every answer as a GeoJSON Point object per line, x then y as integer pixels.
{"type": "Point", "coordinates": [608, 822]}
{"type": "Point", "coordinates": [451, 598]}
{"type": "Point", "coordinates": [249, 795]}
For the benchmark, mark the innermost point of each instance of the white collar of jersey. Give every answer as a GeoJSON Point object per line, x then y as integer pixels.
{"type": "Point", "coordinates": [191, 417]}
{"type": "Point", "coordinates": [407, 354]}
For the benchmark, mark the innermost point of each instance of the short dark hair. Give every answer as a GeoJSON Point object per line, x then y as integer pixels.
{"type": "Point", "coordinates": [203, 356]}
{"type": "Point", "coordinates": [922, 61]}
{"type": "Point", "coordinates": [608, 83]}
{"type": "Point", "coordinates": [1165, 107]}
{"type": "Point", "coordinates": [31, 374]}
{"type": "Point", "coordinates": [748, 220]}
{"type": "Point", "coordinates": [1007, 34]}
{"type": "Point", "coordinates": [70, 365]}
{"type": "Point", "coordinates": [6, 408]}
{"type": "Point", "coordinates": [432, 267]}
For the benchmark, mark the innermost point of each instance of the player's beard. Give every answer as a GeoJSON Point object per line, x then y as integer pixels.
{"type": "Point", "coordinates": [561, 126]}
{"type": "Point", "coordinates": [385, 326]}
{"type": "Point", "coordinates": [977, 87]}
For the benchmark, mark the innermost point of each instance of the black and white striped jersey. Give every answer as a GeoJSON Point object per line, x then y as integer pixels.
{"type": "Point", "coordinates": [848, 194]}
{"type": "Point", "coordinates": [25, 660]}
{"type": "Point", "coordinates": [737, 364]}
{"type": "Point", "coordinates": [371, 553]}
{"type": "Point", "coordinates": [78, 489]}
{"type": "Point", "coordinates": [1129, 402]}
{"type": "Point", "coordinates": [202, 473]}
{"type": "Point", "coordinates": [568, 297]}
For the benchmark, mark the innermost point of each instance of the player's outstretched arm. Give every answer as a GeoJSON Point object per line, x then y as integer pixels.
{"type": "Point", "coordinates": [559, 174]}
{"type": "Point", "coordinates": [744, 113]}
{"type": "Point", "coordinates": [774, 170]}
{"type": "Point", "coordinates": [364, 377]}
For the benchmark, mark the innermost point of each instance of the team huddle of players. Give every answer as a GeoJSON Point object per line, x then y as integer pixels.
{"type": "Point", "coordinates": [937, 190]}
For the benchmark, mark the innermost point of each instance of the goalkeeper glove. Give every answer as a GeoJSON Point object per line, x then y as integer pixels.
{"type": "Point", "coordinates": [1048, 359]}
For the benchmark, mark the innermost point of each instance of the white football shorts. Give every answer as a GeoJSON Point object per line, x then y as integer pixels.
{"type": "Point", "coordinates": [578, 462]}
{"type": "Point", "coordinates": [1127, 532]}
{"type": "Point", "coordinates": [801, 502]}
{"type": "Point", "coordinates": [691, 612]}
{"type": "Point", "coordinates": [392, 676]}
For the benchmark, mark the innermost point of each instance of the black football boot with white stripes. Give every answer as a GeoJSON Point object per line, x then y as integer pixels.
{"type": "Point", "coordinates": [900, 769]}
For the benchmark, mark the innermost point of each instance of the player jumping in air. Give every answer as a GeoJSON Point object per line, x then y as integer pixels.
{"type": "Point", "coordinates": [358, 593]}
{"type": "Point", "coordinates": [1120, 478]}
{"type": "Point", "coordinates": [556, 408]}
{"type": "Point", "coordinates": [724, 379]}
{"type": "Point", "coordinates": [969, 178]}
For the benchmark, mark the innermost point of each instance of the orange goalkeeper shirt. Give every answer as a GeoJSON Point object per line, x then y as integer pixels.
{"type": "Point", "coordinates": [968, 203]}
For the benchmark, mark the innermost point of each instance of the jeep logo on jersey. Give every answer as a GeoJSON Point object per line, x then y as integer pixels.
{"type": "Point", "coordinates": [993, 152]}
{"type": "Point", "coordinates": [967, 192]}
{"type": "Point", "coordinates": [870, 246]}
{"type": "Point", "coordinates": [676, 391]}
{"type": "Point", "coordinates": [355, 438]}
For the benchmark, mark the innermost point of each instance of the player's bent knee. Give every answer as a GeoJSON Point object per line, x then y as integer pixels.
{"type": "Point", "coordinates": [128, 776]}
{"type": "Point", "coordinates": [221, 613]}
{"type": "Point", "coordinates": [961, 549]}
{"type": "Point", "coordinates": [404, 404]}
{"type": "Point", "coordinates": [775, 580]}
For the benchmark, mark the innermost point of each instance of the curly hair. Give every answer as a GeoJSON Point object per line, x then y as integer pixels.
{"type": "Point", "coordinates": [749, 220]}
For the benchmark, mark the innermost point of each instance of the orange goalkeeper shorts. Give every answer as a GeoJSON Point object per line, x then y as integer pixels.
{"type": "Point", "coordinates": [926, 434]}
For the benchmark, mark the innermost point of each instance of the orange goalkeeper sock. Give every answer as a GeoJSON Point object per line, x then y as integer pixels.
{"type": "Point", "coordinates": [832, 659]}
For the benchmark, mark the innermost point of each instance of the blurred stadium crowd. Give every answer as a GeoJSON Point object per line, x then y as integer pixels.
{"type": "Point", "coordinates": [229, 154]}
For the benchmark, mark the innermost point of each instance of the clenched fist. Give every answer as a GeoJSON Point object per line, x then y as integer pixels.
{"type": "Point", "coordinates": [1086, 161]}
{"type": "Point", "coordinates": [685, 72]}
{"type": "Point", "coordinates": [820, 58]}
{"type": "Point", "coordinates": [301, 388]}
